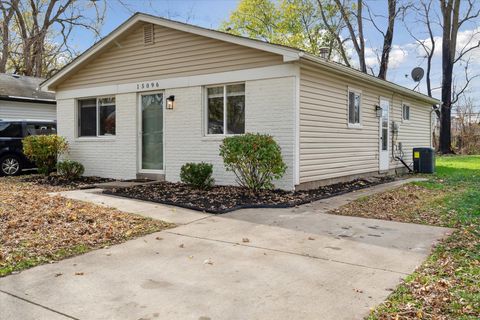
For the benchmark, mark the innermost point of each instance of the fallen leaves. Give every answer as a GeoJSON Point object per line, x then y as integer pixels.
{"type": "Point", "coordinates": [408, 203]}
{"type": "Point", "coordinates": [38, 228]}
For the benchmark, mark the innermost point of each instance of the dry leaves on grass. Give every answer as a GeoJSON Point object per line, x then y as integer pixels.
{"type": "Point", "coordinates": [444, 287]}
{"type": "Point", "coordinates": [36, 226]}
{"type": "Point", "coordinates": [404, 204]}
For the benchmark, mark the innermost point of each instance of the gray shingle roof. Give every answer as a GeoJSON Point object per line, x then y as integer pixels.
{"type": "Point", "coordinates": [23, 87]}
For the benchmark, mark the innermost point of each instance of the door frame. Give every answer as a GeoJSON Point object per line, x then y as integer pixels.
{"type": "Point", "coordinates": [139, 131]}
{"type": "Point", "coordinates": [384, 155]}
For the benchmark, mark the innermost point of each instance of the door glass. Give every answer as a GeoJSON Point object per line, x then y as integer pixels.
{"type": "Point", "coordinates": [152, 131]}
{"type": "Point", "coordinates": [385, 127]}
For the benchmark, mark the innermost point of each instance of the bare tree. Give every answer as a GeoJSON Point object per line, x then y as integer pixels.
{"type": "Point", "coordinates": [466, 126]}
{"type": "Point", "coordinates": [37, 22]}
{"type": "Point", "coordinates": [7, 10]}
{"type": "Point", "coordinates": [452, 21]}
{"type": "Point", "coordinates": [394, 11]}
{"type": "Point", "coordinates": [355, 29]}
{"type": "Point", "coordinates": [334, 25]}
{"type": "Point", "coordinates": [353, 18]}
{"type": "Point", "coordinates": [424, 17]}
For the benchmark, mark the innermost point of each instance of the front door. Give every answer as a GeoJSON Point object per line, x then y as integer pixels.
{"type": "Point", "coordinates": [151, 133]}
{"type": "Point", "coordinates": [384, 135]}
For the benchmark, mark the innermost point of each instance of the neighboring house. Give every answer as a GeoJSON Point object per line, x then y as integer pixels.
{"type": "Point", "coordinates": [21, 98]}
{"type": "Point", "coordinates": [155, 94]}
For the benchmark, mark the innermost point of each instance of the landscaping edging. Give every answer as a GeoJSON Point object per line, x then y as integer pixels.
{"type": "Point", "coordinates": [357, 185]}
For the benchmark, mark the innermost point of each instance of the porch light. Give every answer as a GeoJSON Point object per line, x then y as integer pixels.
{"type": "Point", "coordinates": [378, 111]}
{"type": "Point", "coordinates": [170, 102]}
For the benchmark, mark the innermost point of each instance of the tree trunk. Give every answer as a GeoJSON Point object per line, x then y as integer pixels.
{"type": "Point", "coordinates": [5, 32]}
{"type": "Point", "coordinates": [387, 39]}
{"type": "Point", "coordinates": [450, 12]}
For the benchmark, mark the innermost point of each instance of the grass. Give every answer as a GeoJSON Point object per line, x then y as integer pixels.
{"type": "Point", "coordinates": [447, 285]}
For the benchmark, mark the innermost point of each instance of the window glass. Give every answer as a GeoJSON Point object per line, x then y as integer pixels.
{"type": "Point", "coordinates": [34, 129]}
{"type": "Point", "coordinates": [106, 101]}
{"type": "Point", "coordinates": [215, 110]}
{"type": "Point", "coordinates": [107, 120]}
{"type": "Point", "coordinates": [236, 109]}
{"type": "Point", "coordinates": [226, 105]}
{"type": "Point", "coordinates": [10, 130]}
{"type": "Point", "coordinates": [406, 112]}
{"type": "Point", "coordinates": [87, 117]}
{"type": "Point", "coordinates": [96, 117]}
{"type": "Point", "coordinates": [354, 107]}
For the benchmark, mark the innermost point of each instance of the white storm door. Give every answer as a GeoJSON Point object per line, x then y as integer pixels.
{"type": "Point", "coordinates": [384, 135]}
{"type": "Point", "coordinates": [151, 140]}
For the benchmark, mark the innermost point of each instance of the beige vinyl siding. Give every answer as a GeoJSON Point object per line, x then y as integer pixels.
{"type": "Point", "coordinates": [415, 132]}
{"type": "Point", "coordinates": [173, 54]}
{"type": "Point", "coordinates": [328, 147]}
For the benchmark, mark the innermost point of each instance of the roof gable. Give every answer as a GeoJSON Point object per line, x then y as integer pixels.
{"type": "Point", "coordinates": [115, 38]}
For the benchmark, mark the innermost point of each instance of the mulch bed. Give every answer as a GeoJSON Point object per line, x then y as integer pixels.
{"type": "Point", "coordinates": [57, 181]}
{"type": "Point", "coordinates": [222, 199]}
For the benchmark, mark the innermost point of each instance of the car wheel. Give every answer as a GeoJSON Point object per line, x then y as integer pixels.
{"type": "Point", "coordinates": [10, 165]}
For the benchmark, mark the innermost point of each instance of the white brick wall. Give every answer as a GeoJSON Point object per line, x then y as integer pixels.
{"type": "Point", "coordinates": [113, 157]}
{"type": "Point", "coordinates": [269, 109]}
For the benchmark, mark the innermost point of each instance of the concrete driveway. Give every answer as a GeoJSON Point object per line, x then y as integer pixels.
{"type": "Point", "coordinates": [298, 263]}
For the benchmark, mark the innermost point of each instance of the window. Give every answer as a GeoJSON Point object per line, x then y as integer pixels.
{"type": "Point", "coordinates": [226, 109]}
{"type": "Point", "coordinates": [10, 130]}
{"type": "Point", "coordinates": [406, 112]}
{"type": "Point", "coordinates": [354, 105]}
{"type": "Point", "coordinates": [96, 117]}
{"type": "Point", "coordinates": [34, 129]}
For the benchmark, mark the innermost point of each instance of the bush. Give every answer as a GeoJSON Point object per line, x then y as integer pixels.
{"type": "Point", "coordinates": [198, 175]}
{"type": "Point", "coordinates": [255, 159]}
{"type": "Point", "coordinates": [44, 150]}
{"type": "Point", "coordinates": [70, 169]}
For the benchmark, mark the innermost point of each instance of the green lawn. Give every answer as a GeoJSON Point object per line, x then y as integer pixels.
{"type": "Point", "coordinates": [447, 285]}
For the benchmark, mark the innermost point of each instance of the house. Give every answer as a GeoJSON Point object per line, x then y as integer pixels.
{"type": "Point", "coordinates": [155, 94]}
{"type": "Point", "coordinates": [21, 98]}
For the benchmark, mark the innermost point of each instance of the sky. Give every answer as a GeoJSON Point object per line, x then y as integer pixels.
{"type": "Point", "coordinates": [405, 54]}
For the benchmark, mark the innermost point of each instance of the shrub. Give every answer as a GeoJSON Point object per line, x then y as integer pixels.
{"type": "Point", "coordinates": [198, 175]}
{"type": "Point", "coordinates": [44, 150]}
{"type": "Point", "coordinates": [70, 169]}
{"type": "Point", "coordinates": [255, 159]}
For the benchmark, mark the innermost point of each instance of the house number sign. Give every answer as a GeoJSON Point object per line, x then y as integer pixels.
{"type": "Point", "coordinates": [148, 85]}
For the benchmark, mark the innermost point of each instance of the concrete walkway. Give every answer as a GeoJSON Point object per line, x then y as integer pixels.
{"type": "Point", "coordinates": [297, 263]}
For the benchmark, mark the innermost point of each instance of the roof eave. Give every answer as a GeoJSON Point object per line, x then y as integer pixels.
{"type": "Point", "coordinates": [358, 74]}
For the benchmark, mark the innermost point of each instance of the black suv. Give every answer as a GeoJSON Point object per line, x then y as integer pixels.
{"type": "Point", "coordinates": [12, 159]}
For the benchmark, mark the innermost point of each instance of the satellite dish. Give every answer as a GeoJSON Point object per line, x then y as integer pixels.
{"type": "Point", "coordinates": [417, 74]}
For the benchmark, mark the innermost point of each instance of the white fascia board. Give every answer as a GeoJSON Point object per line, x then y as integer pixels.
{"type": "Point", "coordinates": [344, 70]}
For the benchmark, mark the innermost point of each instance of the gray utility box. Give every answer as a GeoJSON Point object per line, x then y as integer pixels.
{"type": "Point", "coordinates": [424, 160]}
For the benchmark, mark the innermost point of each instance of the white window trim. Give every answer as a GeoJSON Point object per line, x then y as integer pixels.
{"type": "Point", "coordinates": [97, 137]}
{"type": "Point", "coordinates": [224, 85]}
{"type": "Point", "coordinates": [359, 124]}
{"type": "Point", "coordinates": [409, 112]}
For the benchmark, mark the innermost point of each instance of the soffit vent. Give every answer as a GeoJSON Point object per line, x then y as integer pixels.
{"type": "Point", "coordinates": [148, 35]}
